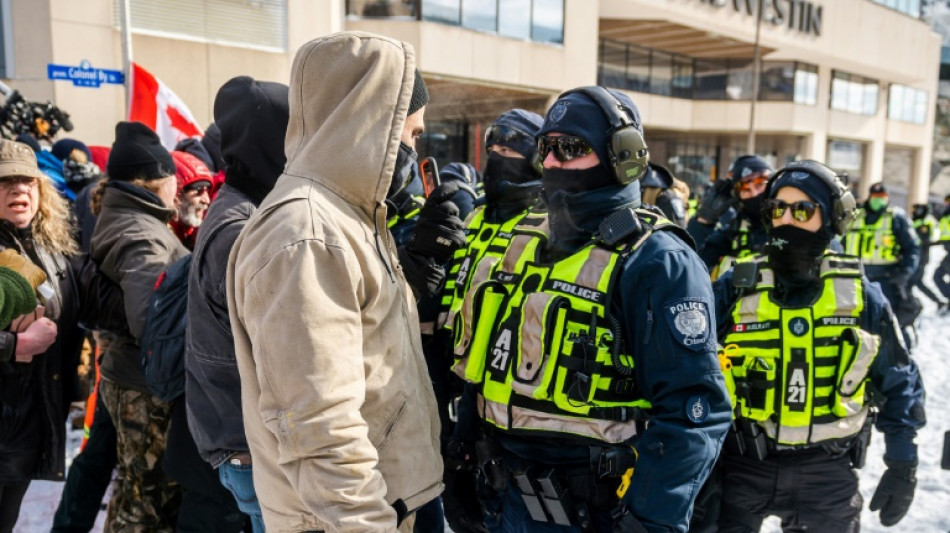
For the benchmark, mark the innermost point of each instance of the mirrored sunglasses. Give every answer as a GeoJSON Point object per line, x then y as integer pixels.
{"type": "Point", "coordinates": [565, 147]}
{"type": "Point", "coordinates": [801, 211]}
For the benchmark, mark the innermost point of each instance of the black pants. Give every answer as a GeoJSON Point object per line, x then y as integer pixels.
{"type": "Point", "coordinates": [942, 277]}
{"type": "Point", "coordinates": [809, 490]}
{"type": "Point", "coordinates": [206, 506]}
{"type": "Point", "coordinates": [88, 477]}
{"type": "Point", "coordinates": [11, 496]}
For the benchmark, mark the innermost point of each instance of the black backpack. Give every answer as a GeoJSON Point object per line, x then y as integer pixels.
{"type": "Point", "coordinates": [163, 338]}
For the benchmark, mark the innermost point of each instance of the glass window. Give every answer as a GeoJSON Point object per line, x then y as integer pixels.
{"type": "Point", "coordinates": [661, 73]}
{"type": "Point", "coordinates": [777, 81]}
{"type": "Point", "coordinates": [514, 18]}
{"type": "Point", "coordinates": [444, 11]}
{"type": "Point", "coordinates": [613, 64]}
{"type": "Point", "coordinates": [547, 21]}
{"type": "Point", "coordinates": [381, 8]}
{"type": "Point", "coordinates": [907, 104]}
{"type": "Point", "coordinates": [481, 15]}
{"type": "Point", "coordinates": [262, 23]}
{"type": "Point", "coordinates": [806, 84]}
{"type": "Point", "coordinates": [638, 69]}
{"type": "Point", "coordinates": [739, 83]}
{"type": "Point", "coordinates": [711, 76]}
{"type": "Point", "coordinates": [853, 94]}
{"type": "Point", "coordinates": [682, 77]}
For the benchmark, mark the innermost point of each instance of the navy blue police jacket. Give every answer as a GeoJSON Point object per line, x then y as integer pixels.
{"type": "Point", "coordinates": [676, 368]}
{"type": "Point", "coordinates": [893, 374]}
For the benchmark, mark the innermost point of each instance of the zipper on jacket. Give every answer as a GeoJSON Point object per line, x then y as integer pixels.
{"type": "Point", "coordinates": [377, 238]}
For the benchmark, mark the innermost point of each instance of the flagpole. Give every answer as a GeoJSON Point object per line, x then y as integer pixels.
{"type": "Point", "coordinates": [756, 72]}
{"type": "Point", "coordinates": [127, 54]}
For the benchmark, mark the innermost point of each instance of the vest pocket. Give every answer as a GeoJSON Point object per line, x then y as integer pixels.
{"type": "Point", "coordinates": [755, 384]}
{"type": "Point", "coordinates": [473, 328]}
{"type": "Point", "coordinates": [541, 334]}
{"type": "Point", "coordinates": [856, 351]}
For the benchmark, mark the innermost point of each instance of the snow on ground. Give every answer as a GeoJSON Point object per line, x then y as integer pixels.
{"type": "Point", "coordinates": [928, 513]}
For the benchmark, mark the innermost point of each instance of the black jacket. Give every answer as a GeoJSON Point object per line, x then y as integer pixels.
{"type": "Point", "coordinates": [34, 405]}
{"type": "Point", "coordinates": [212, 382]}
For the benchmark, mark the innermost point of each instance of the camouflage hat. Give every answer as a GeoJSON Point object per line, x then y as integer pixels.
{"type": "Point", "coordinates": [17, 159]}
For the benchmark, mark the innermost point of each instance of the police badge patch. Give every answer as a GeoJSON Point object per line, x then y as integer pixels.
{"type": "Point", "coordinates": [689, 322]}
{"type": "Point", "coordinates": [697, 409]}
{"type": "Point", "coordinates": [557, 113]}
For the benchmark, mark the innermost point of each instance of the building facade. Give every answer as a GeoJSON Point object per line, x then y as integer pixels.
{"type": "Point", "coordinates": [849, 82]}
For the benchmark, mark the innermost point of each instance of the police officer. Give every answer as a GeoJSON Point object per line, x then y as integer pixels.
{"type": "Point", "coordinates": [660, 188]}
{"type": "Point", "coordinates": [889, 250]}
{"type": "Point", "coordinates": [592, 351]}
{"type": "Point", "coordinates": [925, 225]}
{"type": "Point", "coordinates": [511, 183]}
{"type": "Point", "coordinates": [807, 339]}
{"type": "Point", "coordinates": [721, 244]}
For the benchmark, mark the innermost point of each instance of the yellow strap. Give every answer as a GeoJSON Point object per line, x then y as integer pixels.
{"type": "Point", "coordinates": [625, 479]}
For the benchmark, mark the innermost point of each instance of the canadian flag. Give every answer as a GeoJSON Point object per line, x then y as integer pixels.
{"type": "Point", "coordinates": [158, 107]}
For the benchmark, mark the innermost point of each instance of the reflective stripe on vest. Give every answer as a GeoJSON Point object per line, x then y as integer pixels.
{"type": "Point", "coordinates": [483, 239]}
{"type": "Point", "coordinates": [875, 244]}
{"type": "Point", "coordinates": [537, 340]}
{"type": "Point", "coordinates": [800, 373]}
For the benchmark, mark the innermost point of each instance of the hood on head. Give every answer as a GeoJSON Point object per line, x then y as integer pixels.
{"type": "Point", "coordinates": [349, 98]}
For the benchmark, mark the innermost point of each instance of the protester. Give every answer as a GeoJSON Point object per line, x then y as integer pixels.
{"type": "Point", "coordinates": [35, 237]}
{"type": "Point", "coordinates": [133, 245]}
{"type": "Point", "coordinates": [338, 409]}
{"type": "Point", "coordinates": [194, 196]}
{"type": "Point", "coordinates": [252, 116]}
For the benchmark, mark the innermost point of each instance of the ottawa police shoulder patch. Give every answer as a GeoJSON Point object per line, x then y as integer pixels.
{"type": "Point", "coordinates": [689, 322]}
{"type": "Point", "coordinates": [697, 409]}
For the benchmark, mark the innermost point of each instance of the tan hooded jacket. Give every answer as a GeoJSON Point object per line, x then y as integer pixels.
{"type": "Point", "coordinates": [338, 407]}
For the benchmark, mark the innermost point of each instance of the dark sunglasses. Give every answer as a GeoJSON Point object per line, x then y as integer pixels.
{"type": "Point", "coordinates": [505, 135]}
{"type": "Point", "coordinates": [801, 211]}
{"type": "Point", "coordinates": [748, 183]}
{"type": "Point", "coordinates": [565, 148]}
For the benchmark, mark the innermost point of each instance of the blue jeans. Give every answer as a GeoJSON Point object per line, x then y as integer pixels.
{"type": "Point", "coordinates": [239, 480]}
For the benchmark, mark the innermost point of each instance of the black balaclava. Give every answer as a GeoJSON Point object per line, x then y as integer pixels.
{"type": "Point", "coordinates": [512, 184]}
{"type": "Point", "coordinates": [794, 253]}
{"type": "Point", "coordinates": [252, 117]}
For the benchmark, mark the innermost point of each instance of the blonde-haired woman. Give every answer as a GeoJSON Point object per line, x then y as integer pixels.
{"type": "Point", "coordinates": [35, 239]}
{"type": "Point", "coordinates": [132, 245]}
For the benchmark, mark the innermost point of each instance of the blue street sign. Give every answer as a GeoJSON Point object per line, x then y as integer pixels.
{"type": "Point", "coordinates": [84, 75]}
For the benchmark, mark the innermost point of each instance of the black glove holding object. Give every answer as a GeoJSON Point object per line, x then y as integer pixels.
{"type": "Point", "coordinates": [895, 491]}
{"type": "Point", "coordinates": [438, 231]}
{"type": "Point", "coordinates": [717, 201]}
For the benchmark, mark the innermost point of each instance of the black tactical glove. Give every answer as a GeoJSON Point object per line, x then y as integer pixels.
{"type": "Point", "coordinates": [459, 455]}
{"type": "Point", "coordinates": [438, 230]}
{"type": "Point", "coordinates": [424, 275]}
{"type": "Point", "coordinates": [717, 201]}
{"type": "Point", "coordinates": [895, 492]}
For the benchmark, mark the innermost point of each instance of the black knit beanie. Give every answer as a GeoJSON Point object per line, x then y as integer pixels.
{"type": "Point", "coordinates": [420, 94]}
{"type": "Point", "coordinates": [138, 153]}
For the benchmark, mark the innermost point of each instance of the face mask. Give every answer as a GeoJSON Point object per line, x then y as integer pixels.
{"type": "Point", "coordinates": [582, 180]}
{"type": "Point", "coordinates": [752, 207]}
{"type": "Point", "coordinates": [795, 253]}
{"type": "Point", "coordinates": [877, 204]}
{"type": "Point", "coordinates": [405, 161]}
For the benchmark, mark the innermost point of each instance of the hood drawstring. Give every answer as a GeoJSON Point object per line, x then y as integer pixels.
{"type": "Point", "coordinates": [378, 238]}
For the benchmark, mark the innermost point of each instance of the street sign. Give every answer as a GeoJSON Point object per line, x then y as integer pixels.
{"type": "Point", "coordinates": [84, 75]}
